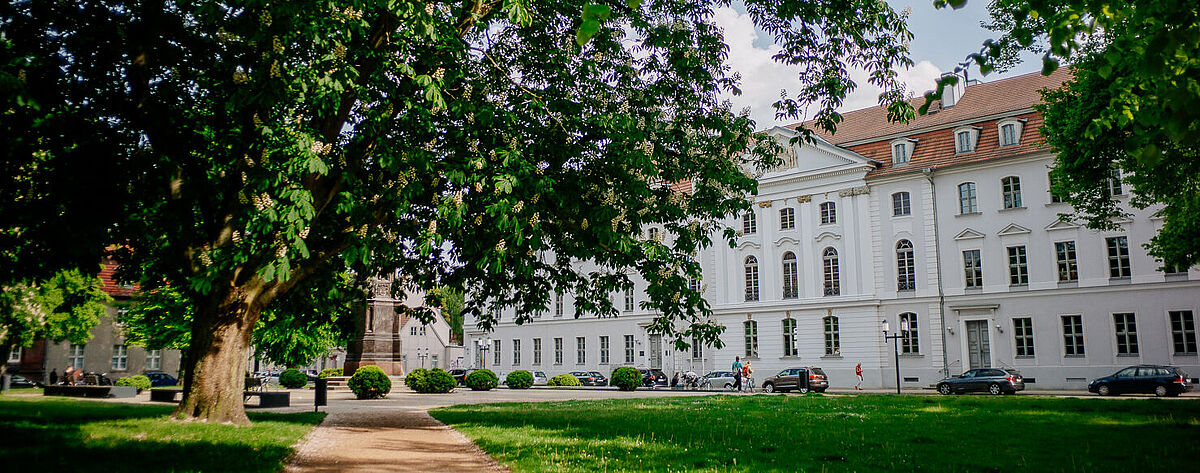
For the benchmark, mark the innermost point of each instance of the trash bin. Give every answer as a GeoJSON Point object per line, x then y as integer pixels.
{"type": "Point", "coordinates": [321, 392]}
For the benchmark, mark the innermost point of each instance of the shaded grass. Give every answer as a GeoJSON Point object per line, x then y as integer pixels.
{"type": "Point", "coordinates": [63, 434]}
{"type": "Point", "coordinates": [819, 433]}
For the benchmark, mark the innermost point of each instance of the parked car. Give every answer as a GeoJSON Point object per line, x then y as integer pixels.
{"type": "Point", "coordinates": [801, 379]}
{"type": "Point", "coordinates": [459, 375]}
{"type": "Point", "coordinates": [1157, 379]}
{"type": "Point", "coordinates": [717, 380]}
{"type": "Point", "coordinates": [989, 380]}
{"type": "Point", "coordinates": [653, 377]}
{"type": "Point", "coordinates": [158, 378]}
{"type": "Point", "coordinates": [600, 379]}
{"type": "Point", "coordinates": [540, 378]}
{"type": "Point", "coordinates": [587, 378]}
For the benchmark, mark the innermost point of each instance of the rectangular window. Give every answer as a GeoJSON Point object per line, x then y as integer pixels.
{"type": "Point", "coordinates": [1072, 335]}
{"type": "Point", "coordinates": [787, 218]}
{"type": "Point", "coordinates": [1183, 332]}
{"type": "Point", "coordinates": [828, 213]}
{"type": "Point", "coordinates": [496, 352]}
{"type": "Point", "coordinates": [580, 350]}
{"type": "Point", "coordinates": [1008, 135]}
{"type": "Point", "coordinates": [964, 142]}
{"type": "Point", "coordinates": [629, 349]}
{"type": "Point", "coordinates": [751, 331]}
{"type": "Point", "coordinates": [75, 355]}
{"type": "Point", "coordinates": [909, 337]}
{"type": "Point", "coordinates": [1114, 183]}
{"type": "Point", "coordinates": [154, 360]}
{"type": "Point", "coordinates": [629, 299]}
{"type": "Point", "coordinates": [537, 351]}
{"type": "Point", "coordinates": [967, 203]}
{"type": "Point", "coordinates": [1011, 189]}
{"type": "Point", "coordinates": [558, 351]}
{"type": "Point", "coordinates": [1023, 336]}
{"type": "Point", "coordinates": [1118, 257]}
{"type": "Point", "coordinates": [901, 204]}
{"type": "Point", "coordinates": [14, 356]}
{"type": "Point", "coordinates": [516, 352]}
{"type": "Point", "coordinates": [789, 337]}
{"type": "Point", "coordinates": [749, 223]}
{"type": "Point", "coordinates": [973, 267]}
{"type": "Point", "coordinates": [1125, 326]}
{"type": "Point", "coordinates": [833, 345]}
{"type": "Point", "coordinates": [558, 305]}
{"type": "Point", "coordinates": [120, 357]}
{"type": "Point", "coordinates": [433, 361]}
{"type": "Point", "coordinates": [1018, 268]}
{"type": "Point", "coordinates": [604, 350]}
{"type": "Point", "coordinates": [1054, 198]}
{"type": "Point", "coordinates": [697, 349]}
{"type": "Point", "coordinates": [1068, 267]}
{"type": "Point", "coordinates": [900, 153]}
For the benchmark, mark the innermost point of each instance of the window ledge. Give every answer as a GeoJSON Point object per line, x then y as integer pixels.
{"type": "Point", "coordinates": [1025, 357]}
{"type": "Point", "coordinates": [912, 355]}
{"type": "Point", "coordinates": [1074, 356]}
{"type": "Point", "coordinates": [906, 292]}
{"type": "Point", "coordinates": [1011, 209]}
{"type": "Point", "coordinates": [1055, 204]}
{"type": "Point", "coordinates": [1129, 355]}
{"type": "Point", "coordinates": [1183, 354]}
{"type": "Point", "coordinates": [968, 213]}
{"type": "Point", "coordinates": [1018, 287]}
{"type": "Point", "coordinates": [831, 357]}
{"type": "Point", "coordinates": [785, 357]}
{"type": "Point", "coordinates": [907, 215]}
{"type": "Point", "coordinates": [972, 290]}
{"type": "Point", "coordinates": [1074, 283]}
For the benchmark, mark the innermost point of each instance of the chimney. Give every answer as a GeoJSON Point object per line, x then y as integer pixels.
{"type": "Point", "coordinates": [950, 92]}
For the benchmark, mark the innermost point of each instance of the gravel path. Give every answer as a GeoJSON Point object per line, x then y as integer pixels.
{"type": "Point", "coordinates": [392, 440]}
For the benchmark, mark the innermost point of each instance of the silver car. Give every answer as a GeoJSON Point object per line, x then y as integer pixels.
{"type": "Point", "coordinates": [717, 380]}
{"type": "Point", "coordinates": [540, 379]}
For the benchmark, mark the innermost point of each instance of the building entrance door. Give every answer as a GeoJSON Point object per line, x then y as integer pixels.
{"type": "Point", "coordinates": [978, 345]}
{"type": "Point", "coordinates": [656, 352]}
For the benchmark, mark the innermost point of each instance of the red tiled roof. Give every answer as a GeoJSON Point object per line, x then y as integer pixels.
{"type": "Point", "coordinates": [108, 278]}
{"type": "Point", "coordinates": [977, 101]}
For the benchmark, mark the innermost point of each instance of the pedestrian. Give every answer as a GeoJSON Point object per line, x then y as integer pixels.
{"type": "Point", "coordinates": [737, 373]}
{"type": "Point", "coordinates": [748, 373]}
{"type": "Point", "coordinates": [858, 372]}
{"type": "Point", "coordinates": [675, 380]}
{"type": "Point", "coordinates": [54, 376]}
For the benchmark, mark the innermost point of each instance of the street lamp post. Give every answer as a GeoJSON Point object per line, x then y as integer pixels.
{"type": "Point", "coordinates": [482, 344]}
{"type": "Point", "coordinates": [422, 356]}
{"type": "Point", "coordinates": [895, 348]}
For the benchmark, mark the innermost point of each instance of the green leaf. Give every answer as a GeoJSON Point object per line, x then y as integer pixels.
{"type": "Point", "coordinates": [633, 4]}
{"type": "Point", "coordinates": [588, 29]}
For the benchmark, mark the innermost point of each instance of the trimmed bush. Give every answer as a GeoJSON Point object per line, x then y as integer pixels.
{"type": "Point", "coordinates": [370, 382]}
{"type": "Point", "coordinates": [481, 380]}
{"type": "Point", "coordinates": [140, 382]}
{"type": "Point", "coordinates": [292, 378]}
{"type": "Point", "coordinates": [566, 379]}
{"type": "Point", "coordinates": [429, 381]}
{"type": "Point", "coordinates": [519, 379]}
{"type": "Point", "coordinates": [327, 372]}
{"type": "Point", "coordinates": [626, 378]}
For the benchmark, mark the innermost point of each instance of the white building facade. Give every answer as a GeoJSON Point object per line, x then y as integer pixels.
{"type": "Point", "coordinates": [944, 227]}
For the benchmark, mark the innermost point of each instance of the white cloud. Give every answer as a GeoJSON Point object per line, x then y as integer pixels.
{"type": "Point", "coordinates": [763, 78]}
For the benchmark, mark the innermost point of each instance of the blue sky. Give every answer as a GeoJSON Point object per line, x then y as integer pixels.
{"type": "Point", "coordinates": [941, 40]}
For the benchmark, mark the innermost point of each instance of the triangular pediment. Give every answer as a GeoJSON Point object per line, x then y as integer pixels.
{"type": "Point", "coordinates": [819, 155]}
{"type": "Point", "coordinates": [1013, 229]}
{"type": "Point", "coordinates": [968, 234]}
{"type": "Point", "coordinates": [1061, 225]}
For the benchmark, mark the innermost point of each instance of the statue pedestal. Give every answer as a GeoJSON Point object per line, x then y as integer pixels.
{"type": "Point", "coordinates": [380, 344]}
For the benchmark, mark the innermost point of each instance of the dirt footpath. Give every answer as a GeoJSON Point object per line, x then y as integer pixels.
{"type": "Point", "coordinates": [392, 440]}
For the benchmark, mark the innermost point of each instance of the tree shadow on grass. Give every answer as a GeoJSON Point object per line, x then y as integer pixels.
{"type": "Point", "coordinates": [69, 435]}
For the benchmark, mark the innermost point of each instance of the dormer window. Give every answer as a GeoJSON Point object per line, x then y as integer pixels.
{"type": "Point", "coordinates": [965, 139]}
{"type": "Point", "coordinates": [1010, 131]}
{"type": "Point", "coordinates": [902, 150]}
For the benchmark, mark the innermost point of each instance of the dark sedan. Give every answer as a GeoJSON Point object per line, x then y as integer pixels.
{"type": "Point", "coordinates": [587, 378]}
{"type": "Point", "coordinates": [989, 380]}
{"type": "Point", "coordinates": [600, 379]}
{"type": "Point", "coordinates": [653, 377]}
{"type": "Point", "coordinates": [1160, 380]}
{"type": "Point", "coordinates": [158, 378]}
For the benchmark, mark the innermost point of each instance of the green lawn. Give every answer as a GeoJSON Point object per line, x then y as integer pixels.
{"type": "Point", "coordinates": [842, 433]}
{"type": "Point", "coordinates": [66, 434]}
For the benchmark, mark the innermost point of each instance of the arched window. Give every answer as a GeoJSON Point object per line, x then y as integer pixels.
{"type": "Point", "coordinates": [832, 276]}
{"type": "Point", "coordinates": [749, 223]}
{"type": "Point", "coordinates": [1011, 188]}
{"type": "Point", "coordinates": [791, 288]}
{"type": "Point", "coordinates": [751, 329]}
{"type": "Point", "coordinates": [966, 198]}
{"type": "Point", "coordinates": [909, 338]}
{"type": "Point", "coordinates": [833, 344]}
{"type": "Point", "coordinates": [906, 278]}
{"type": "Point", "coordinates": [751, 279]}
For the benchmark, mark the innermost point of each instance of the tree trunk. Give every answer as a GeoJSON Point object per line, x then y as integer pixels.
{"type": "Point", "coordinates": [217, 358]}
